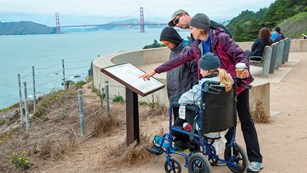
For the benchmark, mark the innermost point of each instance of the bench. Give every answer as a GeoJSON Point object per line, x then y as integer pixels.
{"type": "Point", "coordinates": [279, 53]}
{"type": "Point", "coordinates": [286, 50]}
{"type": "Point", "coordinates": [265, 61]}
{"type": "Point", "coordinates": [273, 56]}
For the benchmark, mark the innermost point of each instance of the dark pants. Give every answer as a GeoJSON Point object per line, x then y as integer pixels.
{"type": "Point", "coordinates": [247, 127]}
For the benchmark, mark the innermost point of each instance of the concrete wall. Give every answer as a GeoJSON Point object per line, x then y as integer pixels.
{"type": "Point", "coordinates": [260, 94]}
{"type": "Point", "coordinates": [298, 45]}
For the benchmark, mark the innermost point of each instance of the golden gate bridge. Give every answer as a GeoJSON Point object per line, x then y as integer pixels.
{"type": "Point", "coordinates": [141, 24]}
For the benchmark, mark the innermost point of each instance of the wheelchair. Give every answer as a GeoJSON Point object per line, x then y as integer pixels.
{"type": "Point", "coordinates": [216, 112]}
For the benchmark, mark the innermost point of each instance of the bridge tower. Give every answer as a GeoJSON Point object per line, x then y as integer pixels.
{"type": "Point", "coordinates": [142, 24]}
{"type": "Point", "coordinates": [57, 23]}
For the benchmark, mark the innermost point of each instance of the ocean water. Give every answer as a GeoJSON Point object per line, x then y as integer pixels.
{"type": "Point", "coordinates": [19, 53]}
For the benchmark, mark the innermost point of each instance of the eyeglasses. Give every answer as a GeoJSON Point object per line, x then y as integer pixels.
{"type": "Point", "coordinates": [176, 21]}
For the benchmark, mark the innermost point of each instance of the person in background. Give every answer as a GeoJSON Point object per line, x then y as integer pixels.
{"type": "Point", "coordinates": [279, 35]}
{"type": "Point", "coordinates": [259, 44]}
{"type": "Point", "coordinates": [273, 35]}
{"type": "Point", "coordinates": [181, 19]}
{"type": "Point", "coordinates": [182, 78]}
{"type": "Point", "coordinates": [215, 40]}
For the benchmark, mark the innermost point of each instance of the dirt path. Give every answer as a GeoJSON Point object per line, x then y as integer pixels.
{"type": "Point", "coordinates": [283, 142]}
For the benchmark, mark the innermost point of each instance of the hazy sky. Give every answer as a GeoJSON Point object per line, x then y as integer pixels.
{"type": "Point", "coordinates": [84, 11]}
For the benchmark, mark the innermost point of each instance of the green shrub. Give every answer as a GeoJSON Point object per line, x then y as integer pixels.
{"type": "Point", "coordinates": [118, 99]}
{"type": "Point", "coordinates": [154, 45]}
{"type": "Point", "coordinates": [80, 84]}
{"type": "Point", "coordinates": [2, 121]}
{"type": "Point", "coordinates": [20, 161]}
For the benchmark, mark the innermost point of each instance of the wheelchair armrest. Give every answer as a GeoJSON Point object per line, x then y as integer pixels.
{"type": "Point", "coordinates": [256, 58]}
{"type": "Point", "coordinates": [175, 104]}
{"type": "Point", "coordinates": [192, 107]}
{"type": "Point", "coordinates": [189, 107]}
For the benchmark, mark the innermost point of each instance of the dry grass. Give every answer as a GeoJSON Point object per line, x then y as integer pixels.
{"type": "Point", "coordinates": [105, 125]}
{"type": "Point", "coordinates": [55, 131]}
{"type": "Point", "coordinates": [123, 156]}
{"type": "Point", "coordinates": [259, 115]}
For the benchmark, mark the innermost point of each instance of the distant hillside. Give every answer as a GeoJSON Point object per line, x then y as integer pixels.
{"type": "Point", "coordinates": [245, 26]}
{"type": "Point", "coordinates": [295, 26]}
{"type": "Point", "coordinates": [24, 28]}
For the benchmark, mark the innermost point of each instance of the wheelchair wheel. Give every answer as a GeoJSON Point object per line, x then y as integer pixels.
{"type": "Point", "coordinates": [238, 157]}
{"type": "Point", "coordinates": [199, 163]}
{"type": "Point", "coordinates": [173, 166]}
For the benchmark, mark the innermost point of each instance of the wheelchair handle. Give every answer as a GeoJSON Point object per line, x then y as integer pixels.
{"type": "Point", "coordinates": [239, 83]}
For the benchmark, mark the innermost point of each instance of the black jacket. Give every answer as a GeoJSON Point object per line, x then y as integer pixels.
{"type": "Point", "coordinates": [258, 47]}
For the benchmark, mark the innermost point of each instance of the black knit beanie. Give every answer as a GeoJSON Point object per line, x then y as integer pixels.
{"type": "Point", "coordinates": [171, 35]}
{"type": "Point", "coordinates": [209, 61]}
{"type": "Point", "coordinates": [200, 21]}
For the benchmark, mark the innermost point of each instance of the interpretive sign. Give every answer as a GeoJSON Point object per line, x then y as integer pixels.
{"type": "Point", "coordinates": [128, 75]}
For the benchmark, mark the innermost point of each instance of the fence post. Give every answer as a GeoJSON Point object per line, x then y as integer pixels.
{"type": "Point", "coordinates": [64, 81]}
{"type": "Point", "coordinates": [81, 111]}
{"type": "Point", "coordinates": [100, 95]}
{"type": "Point", "coordinates": [34, 93]}
{"type": "Point", "coordinates": [106, 90]}
{"type": "Point", "coordinates": [26, 106]}
{"type": "Point", "coordinates": [20, 100]}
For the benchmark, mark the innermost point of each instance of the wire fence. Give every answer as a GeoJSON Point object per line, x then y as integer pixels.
{"type": "Point", "coordinates": [42, 80]}
{"type": "Point", "coordinates": [72, 119]}
{"type": "Point", "coordinates": [46, 127]}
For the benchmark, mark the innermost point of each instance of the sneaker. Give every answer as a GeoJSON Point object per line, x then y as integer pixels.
{"type": "Point", "coordinates": [158, 141]}
{"type": "Point", "coordinates": [254, 167]}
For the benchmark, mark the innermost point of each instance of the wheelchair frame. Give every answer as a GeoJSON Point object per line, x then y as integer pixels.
{"type": "Point", "coordinates": [234, 155]}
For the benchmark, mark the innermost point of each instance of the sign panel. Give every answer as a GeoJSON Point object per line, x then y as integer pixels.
{"type": "Point", "coordinates": [128, 75]}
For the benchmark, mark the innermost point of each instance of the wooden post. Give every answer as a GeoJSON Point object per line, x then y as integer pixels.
{"type": "Point", "coordinates": [26, 106]}
{"type": "Point", "coordinates": [106, 92]}
{"type": "Point", "coordinates": [132, 117]}
{"type": "Point", "coordinates": [81, 111]}
{"type": "Point", "coordinates": [34, 93]}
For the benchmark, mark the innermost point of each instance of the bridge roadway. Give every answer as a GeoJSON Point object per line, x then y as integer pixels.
{"type": "Point", "coordinates": [115, 24]}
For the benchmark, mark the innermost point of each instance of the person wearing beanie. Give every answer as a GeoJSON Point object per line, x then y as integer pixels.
{"type": "Point", "coordinates": [279, 35]}
{"type": "Point", "coordinates": [209, 65]}
{"type": "Point", "coordinates": [228, 51]}
{"type": "Point", "coordinates": [182, 78]}
{"type": "Point", "coordinates": [181, 19]}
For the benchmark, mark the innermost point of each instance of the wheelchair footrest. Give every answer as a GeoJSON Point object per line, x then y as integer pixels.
{"type": "Point", "coordinates": [155, 150]}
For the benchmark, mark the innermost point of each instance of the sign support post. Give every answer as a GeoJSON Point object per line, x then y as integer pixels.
{"type": "Point", "coordinates": [128, 75]}
{"type": "Point", "coordinates": [132, 117]}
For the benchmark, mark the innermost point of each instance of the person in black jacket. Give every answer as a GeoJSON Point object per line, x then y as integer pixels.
{"type": "Point", "coordinates": [259, 44]}
{"type": "Point", "coordinates": [180, 79]}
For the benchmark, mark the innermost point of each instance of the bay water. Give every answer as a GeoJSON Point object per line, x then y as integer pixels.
{"type": "Point", "coordinates": [20, 53]}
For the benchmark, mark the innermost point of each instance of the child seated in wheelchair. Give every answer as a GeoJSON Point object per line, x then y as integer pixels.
{"type": "Point", "coordinates": [209, 65]}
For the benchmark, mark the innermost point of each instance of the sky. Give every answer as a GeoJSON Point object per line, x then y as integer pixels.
{"type": "Point", "coordinates": [102, 11]}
